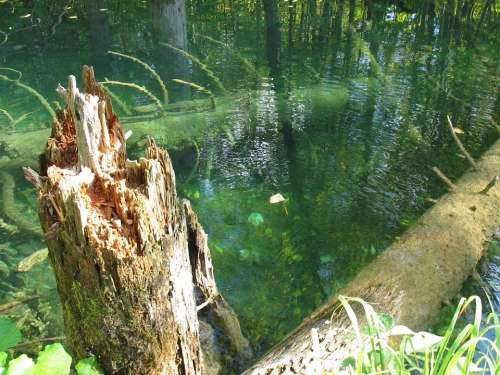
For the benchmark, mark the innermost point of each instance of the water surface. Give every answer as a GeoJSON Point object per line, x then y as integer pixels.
{"type": "Point", "coordinates": [339, 106]}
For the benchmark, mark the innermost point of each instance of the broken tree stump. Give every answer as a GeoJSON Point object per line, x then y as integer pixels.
{"type": "Point", "coordinates": [131, 261]}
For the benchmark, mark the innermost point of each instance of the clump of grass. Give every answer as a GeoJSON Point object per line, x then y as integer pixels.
{"type": "Point", "coordinates": [198, 88]}
{"type": "Point", "coordinates": [149, 69]}
{"type": "Point", "coordinates": [198, 62]}
{"type": "Point", "coordinates": [457, 351]}
{"type": "Point", "coordinates": [134, 86]}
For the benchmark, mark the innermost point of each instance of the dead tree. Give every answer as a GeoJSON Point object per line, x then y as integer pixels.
{"type": "Point", "coordinates": [131, 261]}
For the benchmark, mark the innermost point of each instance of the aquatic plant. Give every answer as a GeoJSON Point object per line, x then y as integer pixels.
{"type": "Point", "coordinates": [141, 89]}
{"type": "Point", "coordinates": [8, 115]}
{"type": "Point", "coordinates": [149, 69]}
{"type": "Point", "coordinates": [250, 67]}
{"type": "Point", "coordinates": [383, 347]}
{"type": "Point", "coordinates": [52, 360]}
{"type": "Point", "coordinates": [116, 100]}
{"type": "Point", "coordinates": [199, 88]}
{"type": "Point", "coordinates": [198, 62]}
{"type": "Point", "coordinates": [13, 122]}
{"type": "Point", "coordinates": [29, 89]}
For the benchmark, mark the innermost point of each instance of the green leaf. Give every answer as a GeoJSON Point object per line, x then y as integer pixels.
{"type": "Point", "coordinates": [255, 218]}
{"type": "Point", "coordinates": [53, 360]}
{"type": "Point", "coordinates": [88, 366]}
{"type": "Point", "coordinates": [22, 365]}
{"type": "Point", "coordinates": [3, 359]}
{"type": "Point", "coordinates": [9, 334]}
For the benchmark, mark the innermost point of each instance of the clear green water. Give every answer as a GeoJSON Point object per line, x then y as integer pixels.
{"type": "Point", "coordinates": [339, 106]}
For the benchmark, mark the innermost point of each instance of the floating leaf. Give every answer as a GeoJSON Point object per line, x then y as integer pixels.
{"type": "Point", "coordinates": [88, 366]}
{"type": "Point", "coordinates": [9, 334]}
{"type": "Point", "coordinates": [53, 360]}
{"type": "Point", "coordinates": [22, 365]}
{"type": "Point", "coordinates": [255, 218]}
{"type": "Point", "coordinates": [276, 198]}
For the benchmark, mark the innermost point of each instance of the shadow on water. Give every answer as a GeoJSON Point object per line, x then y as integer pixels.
{"type": "Point", "coordinates": [338, 105]}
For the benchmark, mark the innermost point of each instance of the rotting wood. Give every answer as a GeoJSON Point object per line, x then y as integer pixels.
{"type": "Point", "coordinates": [410, 281]}
{"type": "Point", "coordinates": [131, 261]}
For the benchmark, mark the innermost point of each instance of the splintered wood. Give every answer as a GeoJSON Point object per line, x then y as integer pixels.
{"type": "Point", "coordinates": [120, 246]}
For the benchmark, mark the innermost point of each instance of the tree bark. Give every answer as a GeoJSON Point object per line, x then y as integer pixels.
{"type": "Point", "coordinates": [410, 281]}
{"type": "Point", "coordinates": [131, 261]}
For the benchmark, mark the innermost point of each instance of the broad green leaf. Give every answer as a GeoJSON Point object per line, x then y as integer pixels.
{"type": "Point", "coordinates": [9, 334]}
{"type": "Point", "coordinates": [3, 359]}
{"type": "Point", "coordinates": [22, 365]}
{"type": "Point", "coordinates": [255, 218]}
{"type": "Point", "coordinates": [53, 360]}
{"type": "Point", "coordinates": [88, 366]}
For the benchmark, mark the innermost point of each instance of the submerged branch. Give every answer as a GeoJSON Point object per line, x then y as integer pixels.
{"type": "Point", "coordinates": [12, 304]}
{"type": "Point", "coordinates": [446, 180]}
{"type": "Point", "coordinates": [149, 69]}
{"type": "Point", "coordinates": [460, 145]}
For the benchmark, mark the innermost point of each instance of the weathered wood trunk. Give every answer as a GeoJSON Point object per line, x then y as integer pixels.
{"type": "Point", "coordinates": [410, 280]}
{"type": "Point", "coordinates": [131, 261]}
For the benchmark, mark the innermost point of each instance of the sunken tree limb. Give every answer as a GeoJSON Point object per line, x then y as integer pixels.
{"type": "Point", "coordinates": [411, 280]}
{"type": "Point", "coordinates": [130, 260]}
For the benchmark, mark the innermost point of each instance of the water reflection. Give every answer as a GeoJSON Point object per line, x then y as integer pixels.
{"type": "Point", "coordinates": [340, 106]}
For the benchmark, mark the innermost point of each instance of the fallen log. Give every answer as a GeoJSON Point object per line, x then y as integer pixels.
{"type": "Point", "coordinates": [410, 281]}
{"type": "Point", "coordinates": [131, 262]}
